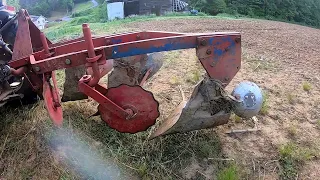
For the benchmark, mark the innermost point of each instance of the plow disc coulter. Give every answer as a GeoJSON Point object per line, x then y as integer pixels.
{"type": "Point", "coordinates": [123, 104]}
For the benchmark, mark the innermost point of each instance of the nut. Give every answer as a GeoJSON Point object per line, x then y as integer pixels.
{"type": "Point", "coordinates": [203, 42]}
{"type": "Point", "coordinates": [68, 61]}
{"type": "Point", "coordinates": [237, 40]}
{"type": "Point", "coordinates": [37, 68]}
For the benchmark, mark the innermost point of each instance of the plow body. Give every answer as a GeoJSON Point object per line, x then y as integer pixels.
{"type": "Point", "coordinates": [123, 104]}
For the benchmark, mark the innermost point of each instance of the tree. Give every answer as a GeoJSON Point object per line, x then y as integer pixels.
{"type": "Point", "coordinates": [14, 3]}
{"type": "Point", "coordinates": [67, 4]}
{"type": "Point", "coordinates": [212, 7]}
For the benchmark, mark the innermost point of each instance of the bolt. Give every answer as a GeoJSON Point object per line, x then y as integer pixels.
{"type": "Point", "coordinates": [68, 61]}
{"type": "Point", "coordinates": [237, 96]}
{"type": "Point", "coordinates": [208, 52]}
{"type": "Point", "coordinates": [138, 36]}
{"type": "Point", "coordinates": [37, 68]}
{"type": "Point", "coordinates": [226, 79]}
{"type": "Point", "coordinates": [203, 42]}
{"type": "Point", "coordinates": [213, 64]}
{"type": "Point", "coordinates": [108, 42]}
{"type": "Point", "coordinates": [237, 40]}
{"type": "Point", "coordinates": [227, 49]}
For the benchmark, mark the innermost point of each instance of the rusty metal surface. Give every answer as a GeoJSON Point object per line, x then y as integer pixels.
{"type": "Point", "coordinates": [127, 71]}
{"type": "Point", "coordinates": [133, 98]}
{"type": "Point", "coordinates": [220, 56]}
{"type": "Point", "coordinates": [70, 90]}
{"type": "Point", "coordinates": [206, 108]}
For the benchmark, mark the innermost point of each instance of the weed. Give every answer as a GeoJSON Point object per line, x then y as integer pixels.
{"type": "Point", "coordinates": [288, 162]}
{"type": "Point", "coordinates": [292, 157]}
{"type": "Point", "coordinates": [229, 173]}
{"type": "Point", "coordinates": [288, 169]}
{"type": "Point", "coordinates": [291, 98]}
{"type": "Point", "coordinates": [287, 150]}
{"type": "Point", "coordinates": [236, 118]}
{"type": "Point", "coordinates": [265, 108]}
{"type": "Point", "coordinates": [292, 130]}
{"type": "Point", "coordinates": [306, 86]}
{"type": "Point", "coordinates": [143, 170]}
{"type": "Point", "coordinates": [194, 76]}
{"type": "Point", "coordinates": [175, 80]}
{"type": "Point", "coordinates": [171, 57]}
{"type": "Point", "coordinates": [318, 123]}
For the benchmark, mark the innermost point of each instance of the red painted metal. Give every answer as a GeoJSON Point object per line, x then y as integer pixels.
{"type": "Point", "coordinates": [44, 43]}
{"type": "Point", "coordinates": [19, 71]}
{"type": "Point", "coordinates": [97, 94]}
{"type": "Point", "coordinates": [221, 59]}
{"type": "Point", "coordinates": [10, 8]}
{"type": "Point", "coordinates": [79, 58]}
{"type": "Point", "coordinates": [135, 99]}
{"type": "Point", "coordinates": [35, 81]}
{"type": "Point", "coordinates": [23, 45]}
{"type": "Point", "coordinates": [92, 58]}
{"type": "Point", "coordinates": [144, 79]}
{"type": "Point", "coordinates": [27, 40]}
{"type": "Point", "coordinates": [52, 99]}
{"type": "Point", "coordinates": [79, 44]}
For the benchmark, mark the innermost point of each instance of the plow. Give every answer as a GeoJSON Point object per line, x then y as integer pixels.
{"type": "Point", "coordinates": [29, 61]}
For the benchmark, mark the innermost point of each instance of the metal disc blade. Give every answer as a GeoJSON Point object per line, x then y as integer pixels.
{"type": "Point", "coordinates": [140, 101]}
{"type": "Point", "coordinates": [55, 112]}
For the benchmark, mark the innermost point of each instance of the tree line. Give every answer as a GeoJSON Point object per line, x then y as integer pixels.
{"type": "Point", "coordinates": [44, 7]}
{"type": "Point", "coordinates": [300, 11]}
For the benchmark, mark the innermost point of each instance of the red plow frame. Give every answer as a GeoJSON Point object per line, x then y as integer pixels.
{"type": "Point", "coordinates": [36, 58]}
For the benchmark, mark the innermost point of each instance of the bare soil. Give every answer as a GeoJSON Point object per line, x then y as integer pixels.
{"type": "Point", "coordinates": [280, 58]}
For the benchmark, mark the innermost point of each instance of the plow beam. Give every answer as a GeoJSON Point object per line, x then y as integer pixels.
{"type": "Point", "coordinates": [128, 107]}
{"type": "Point", "coordinates": [219, 53]}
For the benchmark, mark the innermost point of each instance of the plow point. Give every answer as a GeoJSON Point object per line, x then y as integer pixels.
{"type": "Point", "coordinates": [206, 108]}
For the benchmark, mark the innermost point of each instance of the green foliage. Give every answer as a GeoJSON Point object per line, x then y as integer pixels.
{"type": "Point", "coordinates": [306, 86]}
{"type": "Point", "coordinates": [98, 14]}
{"type": "Point", "coordinates": [212, 7]}
{"type": "Point", "coordinates": [318, 123]}
{"type": "Point", "coordinates": [292, 157]}
{"type": "Point", "coordinates": [299, 11]}
{"type": "Point", "coordinates": [229, 173]}
{"type": "Point", "coordinates": [14, 3]}
{"type": "Point", "coordinates": [44, 7]}
{"type": "Point", "coordinates": [40, 8]}
{"type": "Point", "coordinates": [265, 108]}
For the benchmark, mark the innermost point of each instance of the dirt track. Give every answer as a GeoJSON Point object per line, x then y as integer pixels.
{"type": "Point", "coordinates": [280, 58]}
